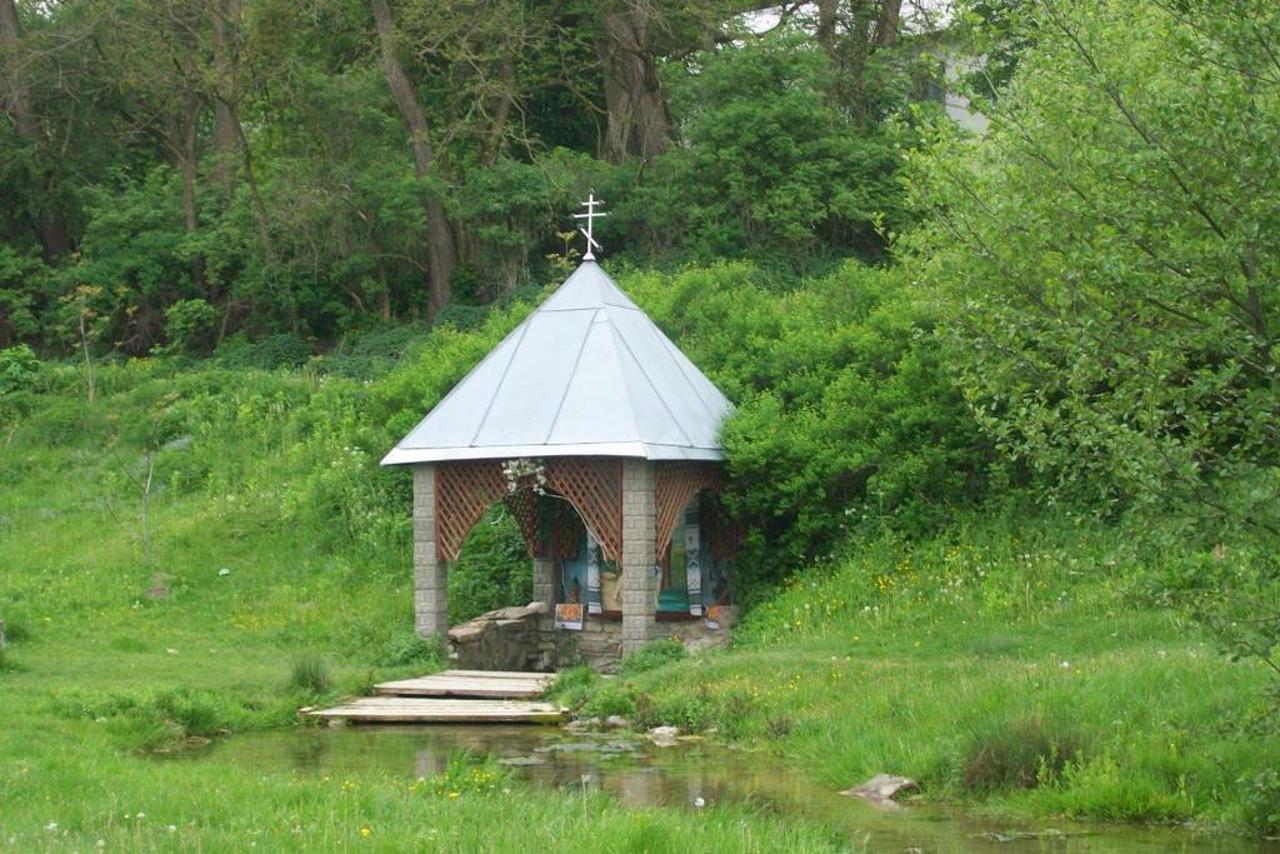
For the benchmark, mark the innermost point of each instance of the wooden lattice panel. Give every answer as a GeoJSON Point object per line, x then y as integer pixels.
{"type": "Point", "coordinates": [523, 507]}
{"type": "Point", "coordinates": [464, 490]}
{"type": "Point", "coordinates": [594, 486]}
{"type": "Point", "coordinates": [676, 483]}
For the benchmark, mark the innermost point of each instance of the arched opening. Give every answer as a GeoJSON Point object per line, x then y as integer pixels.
{"type": "Point", "coordinates": [695, 567]}
{"type": "Point", "coordinates": [581, 570]}
{"type": "Point", "coordinates": [492, 569]}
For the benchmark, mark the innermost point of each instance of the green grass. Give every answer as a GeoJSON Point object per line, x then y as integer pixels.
{"type": "Point", "coordinates": [1010, 668]}
{"type": "Point", "coordinates": [283, 586]}
{"type": "Point", "coordinates": [1017, 673]}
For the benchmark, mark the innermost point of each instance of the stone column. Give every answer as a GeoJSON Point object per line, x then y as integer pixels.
{"type": "Point", "coordinates": [544, 582]}
{"type": "Point", "coordinates": [639, 527]}
{"type": "Point", "coordinates": [430, 593]}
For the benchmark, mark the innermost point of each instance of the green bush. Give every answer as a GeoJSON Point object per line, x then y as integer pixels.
{"type": "Point", "coordinates": [310, 675]}
{"type": "Point", "coordinates": [605, 699]}
{"type": "Point", "coordinates": [1020, 754]}
{"type": "Point", "coordinates": [1262, 802]}
{"type": "Point", "coordinates": [847, 418]}
{"type": "Point", "coordinates": [652, 655]}
{"type": "Point", "coordinates": [19, 369]}
{"type": "Point", "coordinates": [191, 326]}
{"type": "Point", "coordinates": [467, 775]}
{"type": "Point", "coordinates": [406, 648]}
{"type": "Point", "coordinates": [688, 712]}
{"type": "Point", "coordinates": [493, 570]}
{"type": "Point", "coordinates": [158, 720]}
{"type": "Point", "coordinates": [281, 350]}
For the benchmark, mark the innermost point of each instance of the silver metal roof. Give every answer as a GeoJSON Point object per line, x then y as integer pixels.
{"type": "Point", "coordinates": [587, 374]}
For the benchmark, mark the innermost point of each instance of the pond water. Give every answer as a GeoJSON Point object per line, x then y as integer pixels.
{"type": "Point", "coordinates": [684, 777]}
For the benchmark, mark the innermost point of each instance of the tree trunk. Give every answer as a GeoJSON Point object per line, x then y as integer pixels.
{"type": "Point", "coordinates": [186, 155]}
{"type": "Point", "coordinates": [887, 25]}
{"type": "Point", "coordinates": [827, 26]}
{"type": "Point", "coordinates": [442, 250]}
{"type": "Point", "coordinates": [228, 132]}
{"type": "Point", "coordinates": [498, 130]}
{"type": "Point", "coordinates": [17, 100]}
{"type": "Point", "coordinates": [226, 62]}
{"type": "Point", "coordinates": [639, 121]}
{"type": "Point", "coordinates": [55, 241]}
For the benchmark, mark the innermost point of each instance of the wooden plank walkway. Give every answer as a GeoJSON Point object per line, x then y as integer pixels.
{"type": "Point", "coordinates": [454, 696]}
{"type": "Point", "coordinates": [470, 683]}
{"type": "Point", "coordinates": [434, 710]}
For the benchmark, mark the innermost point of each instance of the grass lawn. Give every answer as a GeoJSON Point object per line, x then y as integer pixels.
{"type": "Point", "coordinates": [1010, 668]}
{"type": "Point", "coordinates": [1014, 676]}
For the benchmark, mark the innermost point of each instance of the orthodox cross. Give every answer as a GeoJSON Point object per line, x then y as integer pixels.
{"type": "Point", "coordinates": [590, 216]}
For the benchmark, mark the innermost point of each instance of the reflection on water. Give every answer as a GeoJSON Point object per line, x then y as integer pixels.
{"type": "Point", "coordinates": [687, 776]}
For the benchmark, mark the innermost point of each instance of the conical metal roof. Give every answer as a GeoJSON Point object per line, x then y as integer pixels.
{"type": "Point", "coordinates": [587, 374]}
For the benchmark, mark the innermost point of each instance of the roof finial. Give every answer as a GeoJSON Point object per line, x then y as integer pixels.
{"type": "Point", "coordinates": [589, 216]}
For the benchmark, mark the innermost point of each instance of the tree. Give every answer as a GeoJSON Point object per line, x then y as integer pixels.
{"type": "Point", "coordinates": [1105, 252]}
{"type": "Point", "coordinates": [639, 120]}
{"type": "Point", "coordinates": [1107, 261]}
{"type": "Point", "coordinates": [442, 251]}
{"type": "Point", "coordinates": [15, 100]}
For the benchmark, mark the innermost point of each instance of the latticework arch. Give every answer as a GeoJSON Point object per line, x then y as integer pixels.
{"type": "Point", "coordinates": [593, 485]}
{"type": "Point", "coordinates": [675, 485]}
{"type": "Point", "coordinates": [464, 490]}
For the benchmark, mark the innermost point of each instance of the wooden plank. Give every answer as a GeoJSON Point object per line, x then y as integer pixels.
{"type": "Point", "coordinates": [410, 710]}
{"type": "Point", "coordinates": [499, 674]}
{"type": "Point", "coordinates": [491, 684]}
{"type": "Point", "coordinates": [432, 686]}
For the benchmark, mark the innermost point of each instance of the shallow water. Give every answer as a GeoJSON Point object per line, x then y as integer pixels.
{"type": "Point", "coordinates": [641, 775]}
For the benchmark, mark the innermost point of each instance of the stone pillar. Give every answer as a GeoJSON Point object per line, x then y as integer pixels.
{"type": "Point", "coordinates": [639, 528]}
{"type": "Point", "coordinates": [430, 593]}
{"type": "Point", "coordinates": [544, 582]}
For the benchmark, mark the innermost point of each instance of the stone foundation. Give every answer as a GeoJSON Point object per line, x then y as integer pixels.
{"type": "Point", "coordinates": [505, 639]}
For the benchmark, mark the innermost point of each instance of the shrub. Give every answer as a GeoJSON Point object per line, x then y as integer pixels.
{"type": "Point", "coordinates": [606, 699]}
{"type": "Point", "coordinates": [846, 416]}
{"type": "Point", "coordinates": [1020, 755]}
{"type": "Point", "coordinates": [310, 675]}
{"type": "Point", "coordinates": [652, 655]}
{"type": "Point", "coordinates": [275, 351]}
{"type": "Point", "coordinates": [493, 570]}
{"type": "Point", "coordinates": [19, 369]}
{"type": "Point", "coordinates": [16, 631]}
{"type": "Point", "coordinates": [405, 648]}
{"type": "Point", "coordinates": [191, 325]}
{"type": "Point", "coordinates": [159, 720]}
{"type": "Point", "coordinates": [571, 684]}
{"type": "Point", "coordinates": [1262, 802]}
{"type": "Point", "coordinates": [688, 712]}
{"type": "Point", "coordinates": [465, 774]}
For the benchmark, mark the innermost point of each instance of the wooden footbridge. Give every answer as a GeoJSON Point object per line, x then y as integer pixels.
{"type": "Point", "coordinates": [454, 696]}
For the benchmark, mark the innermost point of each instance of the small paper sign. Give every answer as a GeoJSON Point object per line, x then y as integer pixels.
{"type": "Point", "coordinates": [569, 616]}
